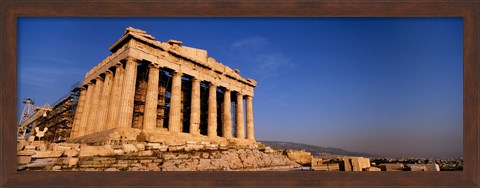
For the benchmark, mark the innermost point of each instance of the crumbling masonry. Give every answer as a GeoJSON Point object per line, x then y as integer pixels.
{"type": "Point", "coordinates": [150, 86]}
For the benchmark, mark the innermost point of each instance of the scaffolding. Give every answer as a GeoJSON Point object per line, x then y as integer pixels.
{"type": "Point", "coordinates": [58, 118]}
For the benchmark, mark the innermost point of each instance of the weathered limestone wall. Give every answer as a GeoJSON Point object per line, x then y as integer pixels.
{"type": "Point", "coordinates": [190, 156]}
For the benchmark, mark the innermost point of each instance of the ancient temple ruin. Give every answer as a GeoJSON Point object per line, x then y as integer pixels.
{"type": "Point", "coordinates": [154, 89]}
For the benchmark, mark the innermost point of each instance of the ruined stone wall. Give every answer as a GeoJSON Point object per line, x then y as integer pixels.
{"type": "Point", "coordinates": [191, 156]}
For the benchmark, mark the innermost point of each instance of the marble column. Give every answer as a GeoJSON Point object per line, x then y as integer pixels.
{"type": "Point", "coordinates": [92, 116]}
{"type": "Point", "coordinates": [195, 108]}
{"type": "Point", "coordinates": [103, 104]}
{"type": "Point", "coordinates": [227, 114]}
{"type": "Point", "coordinates": [239, 118]}
{"type": "Point", "coordinates": [86, 110]}
{"type": "Point", "coordinates": [161, 101]}
{"type": "Point", "coordinates": [174, 123]}
{"type": "Point", "coordinates": [250, 131]}
{"type": "Point", "coordinates": [212, 111]}
{"type": "Point", "coordinates": [128, 93]}
{"type": "Point", "coordinates": [115, 96]}
{"type": "Point", "coordinates": [151, 98]}
{"type": "Point", "coordinates": [78, 112]}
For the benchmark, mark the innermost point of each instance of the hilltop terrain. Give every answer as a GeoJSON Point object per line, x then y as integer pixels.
{"type": "Point", "coordinates": [315, 150]}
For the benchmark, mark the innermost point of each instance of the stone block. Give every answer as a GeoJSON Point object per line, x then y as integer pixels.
{"type": "Point", "coordinates": [359, 163]}
{"type": "Point", "coordinates": [30, 147]}
{"type": "Point", "coordinates": [300, 156]}
{"type": "Point", "coordinates": [60, 147]}
{"type": "Point", "coordinates": [44, 162]}
{"type": "Point", "coordinates": [391, 167]}
{"type": "Point", "coordinates": [118, 151]}
{"type": "Point", "coordinates": [26, 152]}
{"type": "Point", "coordinates": [372, 169]}
{"type": "Point", "coordinates": [71, 153]}
{"type": "Point", "coordinates": [47, 154]}
{"type": "Point", "coordinates": [168, 156]}
{"type": "Point", "coordinates": [56, 168]}
{"type": "Point", "coordinates": [423, 167]}
{"type": "Point", "coordinates": [269, 150]}
{"type": "Point", "coordinates": [24, 159]}
{"type": "Point", "coordinates": [70, 162]}
{"type": "Point", "coordinates": [145, 161]}
{"type": "Point", "coordinates": [145, 153]}
{"type": "Point", "coordinates": [153, 167]}
{"type": "Point", "coordinates": [150, 146]}
{"type": "Point", "coordinates": [87, 151]}
{"type": "Point", "coordinates": [129, 148]}
{"type": "Point", "coordinates": [20, 146]}
{"type": "Point", "coordinates": [140, 147]}
{"type": "Point", "coordinates": [42, 147]}
{"type": "Point", "coordinates": [176, 148]}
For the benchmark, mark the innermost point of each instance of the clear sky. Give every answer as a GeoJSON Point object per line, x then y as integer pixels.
{"type": "Point", "coordinates": [385, 86]}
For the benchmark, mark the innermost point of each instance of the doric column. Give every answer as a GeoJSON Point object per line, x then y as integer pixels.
{"type": "Point", "coordinates": [212, 111]}
{"type": "Point", "coordinates": [227, 114]}
{"type": "Point", "coordinates": [92, 116]}
{"type": "Point", "coordinates": [250, 133]}
{"type": "Point", "coordinates": [86, 110]}
{"type": "Point", "coordinates": [128, 93]}
{"type": "Point", "coordinates": [174, 123]}
{"type": "Point", "coordinates": [161, 101]}
{"type": "Point", "coordinates": [103, 104]}
{"type": "Point", "coordinates": [239, 124]}
{"type": "Point", "coordinates": [115, 96]}
{"type": "Point", "coordinates": [78, 112]}
{"type": "Point", "coordinates": [195, 108]}
{"type": "Point", "coordinates": [151, 101]}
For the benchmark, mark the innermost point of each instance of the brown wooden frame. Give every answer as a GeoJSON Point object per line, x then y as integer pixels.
{"type": "Point", "coordinates": [11, 10]}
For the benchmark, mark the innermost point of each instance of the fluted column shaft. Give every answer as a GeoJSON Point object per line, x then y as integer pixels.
{"type": "Point", "coordinates": [78, 112]}
{"type": "Point", "coordinates": [212, 111]}
{"type": "Point", "coordinates": [92, 116]}
{"type": "Point", "coordinates": [88, 101]}
{"type": "Point", "coordinates": [227, 115]}
{"type": "Point", "coordinates": [115, 97]}
{"type": "Point", "coordinates": [195, 108]}
{"type": "Point", "coordinates": [250, 131]}
{"type": "Point", "coordinates": [151, 101]}
{"type": "Point", "coordinates": [174, 123]}
{"type": "Point", "coordinates": [128, 94]}
{"type": "Point", "coordinates": [239, 124]}
{"type": "Point", "coordinates": [103, 104]}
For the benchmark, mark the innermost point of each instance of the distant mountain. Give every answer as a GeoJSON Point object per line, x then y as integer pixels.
{"type": "Point", "coordinates": [315, 150]}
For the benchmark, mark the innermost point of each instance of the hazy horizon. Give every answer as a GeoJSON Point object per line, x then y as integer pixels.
{"type": "Point", "coordinates": [383, 86]}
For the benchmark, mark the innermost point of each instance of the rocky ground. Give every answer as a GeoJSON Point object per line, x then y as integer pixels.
{"type": "Point", "coordinates": [145, 156]}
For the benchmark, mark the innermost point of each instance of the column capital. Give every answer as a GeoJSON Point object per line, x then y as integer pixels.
{"type": "Point", "coordinates": [212, 84]}
{"type": "Point", "coordinates": [130, 58]}
{"type": "Point", "coordinates": [99, 78]}
{"type": "Point", "coordinates": [83, 87]}
{"type": "Point", "coordinates": [194, 79]}
{"type": "Point", "coordinates": [175, 72]}
{"type": "Point", "coordinates": [119, 64]}
{"type": "Point", "coordinates": [108, 72]}
{"type": "Point", "coordinates": [153, 65]}
{"type": "Point", "coordinates": [227, 90]}
{"type": "Point", "coordinates": [90, 83]}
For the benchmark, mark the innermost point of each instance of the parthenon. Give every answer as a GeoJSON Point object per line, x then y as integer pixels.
{"type": "Point", "coordinates": [151, 86]}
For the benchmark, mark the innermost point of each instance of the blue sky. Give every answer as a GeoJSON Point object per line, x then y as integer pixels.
{"type": "Point", "coordinates": [385, 86]}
